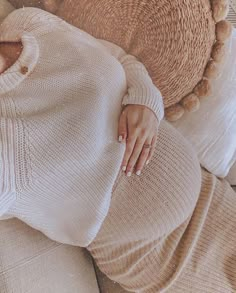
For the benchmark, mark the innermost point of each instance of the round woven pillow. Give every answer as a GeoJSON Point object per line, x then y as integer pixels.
{"type": "Point", "coordinates": [181, 43]}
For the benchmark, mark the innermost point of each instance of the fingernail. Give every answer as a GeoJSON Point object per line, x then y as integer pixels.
{"type": "Point", "coordinates": [147, 162]}
{"type": "Point", "coordinates": [138, 172]}
{"type": "Point", "coordinates": [120, 138]}
{"type": "Point", "coordinates": [124, 168]}
{"type": "Point", "coordinates": [129, 174]}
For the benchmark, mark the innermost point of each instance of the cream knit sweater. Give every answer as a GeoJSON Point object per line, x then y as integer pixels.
{"type": "Point", "coordinates": [60, 104]}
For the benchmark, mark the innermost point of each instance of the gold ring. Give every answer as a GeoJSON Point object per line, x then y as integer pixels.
{"type": "Point", "coordinates": [148, 146]}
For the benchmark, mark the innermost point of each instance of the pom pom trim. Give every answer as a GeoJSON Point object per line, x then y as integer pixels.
{"type": "Point", "coordinates": [191, 102]}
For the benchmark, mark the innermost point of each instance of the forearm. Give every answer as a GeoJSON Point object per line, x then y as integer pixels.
{"type": "Point", "coordinates": [141, 89]}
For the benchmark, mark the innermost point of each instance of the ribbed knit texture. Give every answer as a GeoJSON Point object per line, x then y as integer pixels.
{"type": "Point", "coordinates": [172, 229]}
{"type": "Point", "coordinates": [60, 105]}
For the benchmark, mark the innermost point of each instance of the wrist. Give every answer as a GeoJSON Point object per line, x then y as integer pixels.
{"type": "Point", "coordinates": [155, 105]}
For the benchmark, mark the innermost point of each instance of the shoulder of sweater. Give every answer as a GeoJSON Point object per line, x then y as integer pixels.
{"type": "Point", "coordinates": [33, 19]}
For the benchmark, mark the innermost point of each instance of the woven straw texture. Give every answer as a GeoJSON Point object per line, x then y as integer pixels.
{"type": "Point", "coordinates": [172, 38]}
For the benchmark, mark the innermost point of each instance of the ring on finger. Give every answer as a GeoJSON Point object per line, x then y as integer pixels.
{"type": "Point", "coordinates": [147, 146]}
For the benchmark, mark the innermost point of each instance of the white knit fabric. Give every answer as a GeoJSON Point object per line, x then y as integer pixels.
{"type": "Point", "coordinates": [59, 124]}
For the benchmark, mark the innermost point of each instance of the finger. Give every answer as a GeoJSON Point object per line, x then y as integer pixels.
{"type": "Point", "coordinates": [154, 142]}
{"type": "Point", "coordinates": [138, 148]}
{"type": "Point", "coordinates": [128, 152]}
{"type": "Point", "coordinates": [122, 127]}
{"type": "Point", "coordinates": [143, 157]}
{"type": "Point", "coordinates": [3, 64]}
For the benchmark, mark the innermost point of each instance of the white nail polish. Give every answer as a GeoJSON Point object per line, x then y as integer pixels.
{"type": "Point", "coordinates": [147, 162]}
{"type": "Point", "coordinates": [138, 172]}
{"type": "Point", "coordinates": [129, 174]}
{"type": "Point", "coordinates": [124, 168]}
{"type": "Point", "coordinates": [120, 138]}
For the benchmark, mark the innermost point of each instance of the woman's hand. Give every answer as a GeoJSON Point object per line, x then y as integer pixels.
{"type": "Point", "coordinates": [138, 127]}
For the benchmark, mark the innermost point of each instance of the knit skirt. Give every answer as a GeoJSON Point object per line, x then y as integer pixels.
{"type": "Point", "coordinates": [173, 229]}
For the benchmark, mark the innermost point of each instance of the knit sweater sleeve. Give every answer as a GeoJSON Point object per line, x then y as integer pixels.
{"type": "Point", "coordinates": [141, 89]}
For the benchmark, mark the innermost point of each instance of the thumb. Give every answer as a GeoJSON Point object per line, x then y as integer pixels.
{"type": "Point", "coordinates": [122, 128]}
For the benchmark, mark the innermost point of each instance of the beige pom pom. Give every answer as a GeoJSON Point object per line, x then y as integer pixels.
{"type": "Point", "coordinates": [223, 30]}
{"type": "Point", "coordinates": [218, 52]}
{"type": "Point", "coordinates": [51, 5]}
{"type": "Point", "coordinates": [212, 70]}
{"type": "Point", "coordinates": [220, 9]}
{"type": "Point", "coordinates": [203, 89]}
{"type": "Point", "coordinates": [191, 103]}
{"type": "Point", "coordinates": [174, 113]}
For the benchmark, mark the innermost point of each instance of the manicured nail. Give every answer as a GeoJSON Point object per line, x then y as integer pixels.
{"type": "Point", "coordinates": [120, 138]}
{"type": "Point", "coordinates": [138, 172]}
{"type": "Point", "coordinates": [129, 174]}
{"type": "Point", "coordinates": [147, 162]}
{"type": "Point", "coordinates": [124, 168]}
